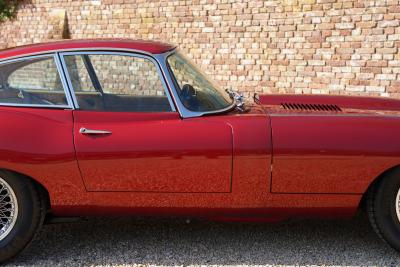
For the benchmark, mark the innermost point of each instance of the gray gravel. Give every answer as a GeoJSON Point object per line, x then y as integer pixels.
{"type": "Point", "coordinates": [144, 241]}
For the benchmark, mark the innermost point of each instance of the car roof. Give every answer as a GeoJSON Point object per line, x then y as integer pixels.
{"type": "Point", "coordinates": [149, 47]}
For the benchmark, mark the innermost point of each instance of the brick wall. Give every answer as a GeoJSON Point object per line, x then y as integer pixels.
{"type": "Point", "coordinates": [285, 46]}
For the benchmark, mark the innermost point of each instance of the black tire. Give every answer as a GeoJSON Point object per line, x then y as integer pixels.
{"type": "Point", "coordinates": [31, 214]}
{"type": "Point", "coordinates": [381, 208]}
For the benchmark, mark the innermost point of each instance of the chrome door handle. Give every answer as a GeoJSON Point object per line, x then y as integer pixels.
{"type": "Point", "coordinates": [89, 131]}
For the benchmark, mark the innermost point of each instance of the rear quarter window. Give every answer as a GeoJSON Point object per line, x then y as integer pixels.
{"type": "Point", "coordinates": [32, 81]}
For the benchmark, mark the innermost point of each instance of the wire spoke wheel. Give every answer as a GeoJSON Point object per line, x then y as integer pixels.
{"type": "Point", "coordinates": [8, 209]}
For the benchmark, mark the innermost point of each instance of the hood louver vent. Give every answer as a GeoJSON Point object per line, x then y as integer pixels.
{"type": "Point", "coordinates": [311, 107]}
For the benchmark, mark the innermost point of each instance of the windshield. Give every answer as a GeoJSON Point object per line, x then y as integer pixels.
{"type": "Point", "coordinates": [196, 91]}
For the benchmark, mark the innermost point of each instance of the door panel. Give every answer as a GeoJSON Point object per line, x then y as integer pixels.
{"type": "Point", "coordinates": [153, 152]}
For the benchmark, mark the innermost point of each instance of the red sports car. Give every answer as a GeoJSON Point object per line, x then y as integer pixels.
{"type": "Point", "coordinates": [123, 127]}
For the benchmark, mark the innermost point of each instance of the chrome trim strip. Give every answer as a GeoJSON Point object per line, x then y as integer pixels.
{"type": "Point", "coordinates": [185, 113]}
{"type": "Point", "coordinates": [131, 54]}
{"type": "Point", "coordinates": [60, 73]}
{"type": "Point", "coordinates": [35, 106]}
{"type": "Point", "coordinates": [397, 204]}
{"type": "Point", "coordinates": [111, 49]}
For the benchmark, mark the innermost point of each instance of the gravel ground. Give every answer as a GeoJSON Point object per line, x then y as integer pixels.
{"type": "Point", "coordinates": [139, 241]}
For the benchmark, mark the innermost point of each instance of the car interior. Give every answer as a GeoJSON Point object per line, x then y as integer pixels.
{"type": "Point", "coordinates": [98, 99]}
{"type": "Point", "coordinates": [118, 103]}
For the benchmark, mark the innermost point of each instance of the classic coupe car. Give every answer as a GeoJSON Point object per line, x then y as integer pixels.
{"type": "Point", "coordinates": [124, 127]}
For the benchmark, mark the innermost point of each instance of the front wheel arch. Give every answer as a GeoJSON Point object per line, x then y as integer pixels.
{"type": "Point", "coordinates": [374, 183]}
{"type": "Point", "coordinates": [380, 205]}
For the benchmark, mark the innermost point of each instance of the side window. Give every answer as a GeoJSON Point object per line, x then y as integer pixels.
{"type": "Point", "coordinates": [108, 82]}
{"type": "Point", "coordinates": [34, 81]}
{"type": "Point", "coordinates": [79, 75]}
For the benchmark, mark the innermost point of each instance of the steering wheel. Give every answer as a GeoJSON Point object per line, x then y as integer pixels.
{"type": "Point", "coordinates": [189, 97]}
{"type": "Point", "coordinates": [188, 91]}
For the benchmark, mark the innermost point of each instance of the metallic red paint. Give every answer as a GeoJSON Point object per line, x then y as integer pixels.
{"type": "Point", "coordinates": [345, 102]}
{"type": "Point", "coordinates": [332, 151]}
{"type": "Point", "coordinates": [332, 154]}
{"type": "Point", "coordinates": [38, 142]}
{"type": "Point", "coordinates": [46, 153]}
{"type": "Point", "coordinates": [265, 164]}
{"type": "Point", "coordinates": [153, 152]}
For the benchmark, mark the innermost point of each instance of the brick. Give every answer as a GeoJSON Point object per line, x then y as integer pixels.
{"type": "Point", "coordinates": [375, 88]}
{"type": "Point", "coordinates": [307, 2]}
{"type": "Point", "coordinates": [386, 77]}
{"type": "Point", "coordinates": [388, 23]}
{"type": "Point", "coordinates": [353, 88]}
{"type": "Point", "coordinates": [394, 63]}
{"type": "Point", "coordinates": [366, 24]}
{"type": "Point", "coordinates": [325, 26]}
{"type": "Point", "coordinates": [344, 51]}
{"type": "Point", "coordinates": [316, 39]}
{"type": "Point", "coordinates": [371, 70]}
{"type": "Point", "coordinates": [343, 26]}
{"type": "Point", "coordinates": [394, 9]}
{"type": "Point", "coordinates": [298, 62]}
{"type": "Point", "coordinates": [365, 76]}
{"type": "Point", "coordinates": [367, 50]}
{"type": "Point", "coordinates": [376, 38]}
{"type": "Point", "coordinates": [336, 87]}
{"type": "Point", "coordinates": [356, 63]}
{"type": "Point", "coordinates": [238, 29]}
{"type": "Point", "coordinates": [305, 27]}
{"type": "Point", "coordinates": [377, 63]}
{"type": "Point", "coordinates": [335, 39]}
{"type": "Point", "coordinates": [316, 62]}
{"type": "Point", "coordinates": [336, 63]}
{"type": "Point", "coordinates": [386, 50]}
{"type": "Point", "coordinates": [285, 28]}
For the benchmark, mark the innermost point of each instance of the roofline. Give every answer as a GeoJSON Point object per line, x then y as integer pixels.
{"type": "Point", "coordinates": [147, 47]}
{"type": "Point", "coordinates": [44, 52]}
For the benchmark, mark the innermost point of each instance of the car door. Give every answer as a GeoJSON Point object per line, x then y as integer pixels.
{"type": "Point", "coordinates": [128, 136]}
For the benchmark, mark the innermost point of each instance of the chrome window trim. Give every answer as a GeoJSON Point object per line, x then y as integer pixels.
{"type": "Point", "coordinates": [113, 52]}
{"type": "Point", "coordinates": [60, 73]}
{"type": "Point", "coordinates": [35, 106]}
{"type": "Point", "coordinates": [52, 51]}
{"type": "Point", "coordinates": [160, 59]}
{"type": "Point", "coordinates": [185, 113]}
{"type": "Point", "coordinates": [64, 81]}
{"type": "Point", "coordinates": [68, 80]}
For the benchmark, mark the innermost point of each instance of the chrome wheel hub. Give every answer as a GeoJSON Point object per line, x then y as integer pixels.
{"type": "Point", "coordinates": [398, 205]}
{"type": "Point", "coordinates": [8, 209]}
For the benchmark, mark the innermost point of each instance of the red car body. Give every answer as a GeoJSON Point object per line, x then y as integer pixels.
{"type": "Point", "coordinates": [286, 155]}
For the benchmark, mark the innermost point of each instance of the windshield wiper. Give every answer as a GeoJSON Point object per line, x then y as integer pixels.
{"type": "Point", "coordinates": [238, 98]}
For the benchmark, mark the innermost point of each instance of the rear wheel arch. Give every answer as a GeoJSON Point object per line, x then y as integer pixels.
{"type": "Point", "coordinates": [24, 208]}
{"type": "Point", "coordinates": [43, 192]}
